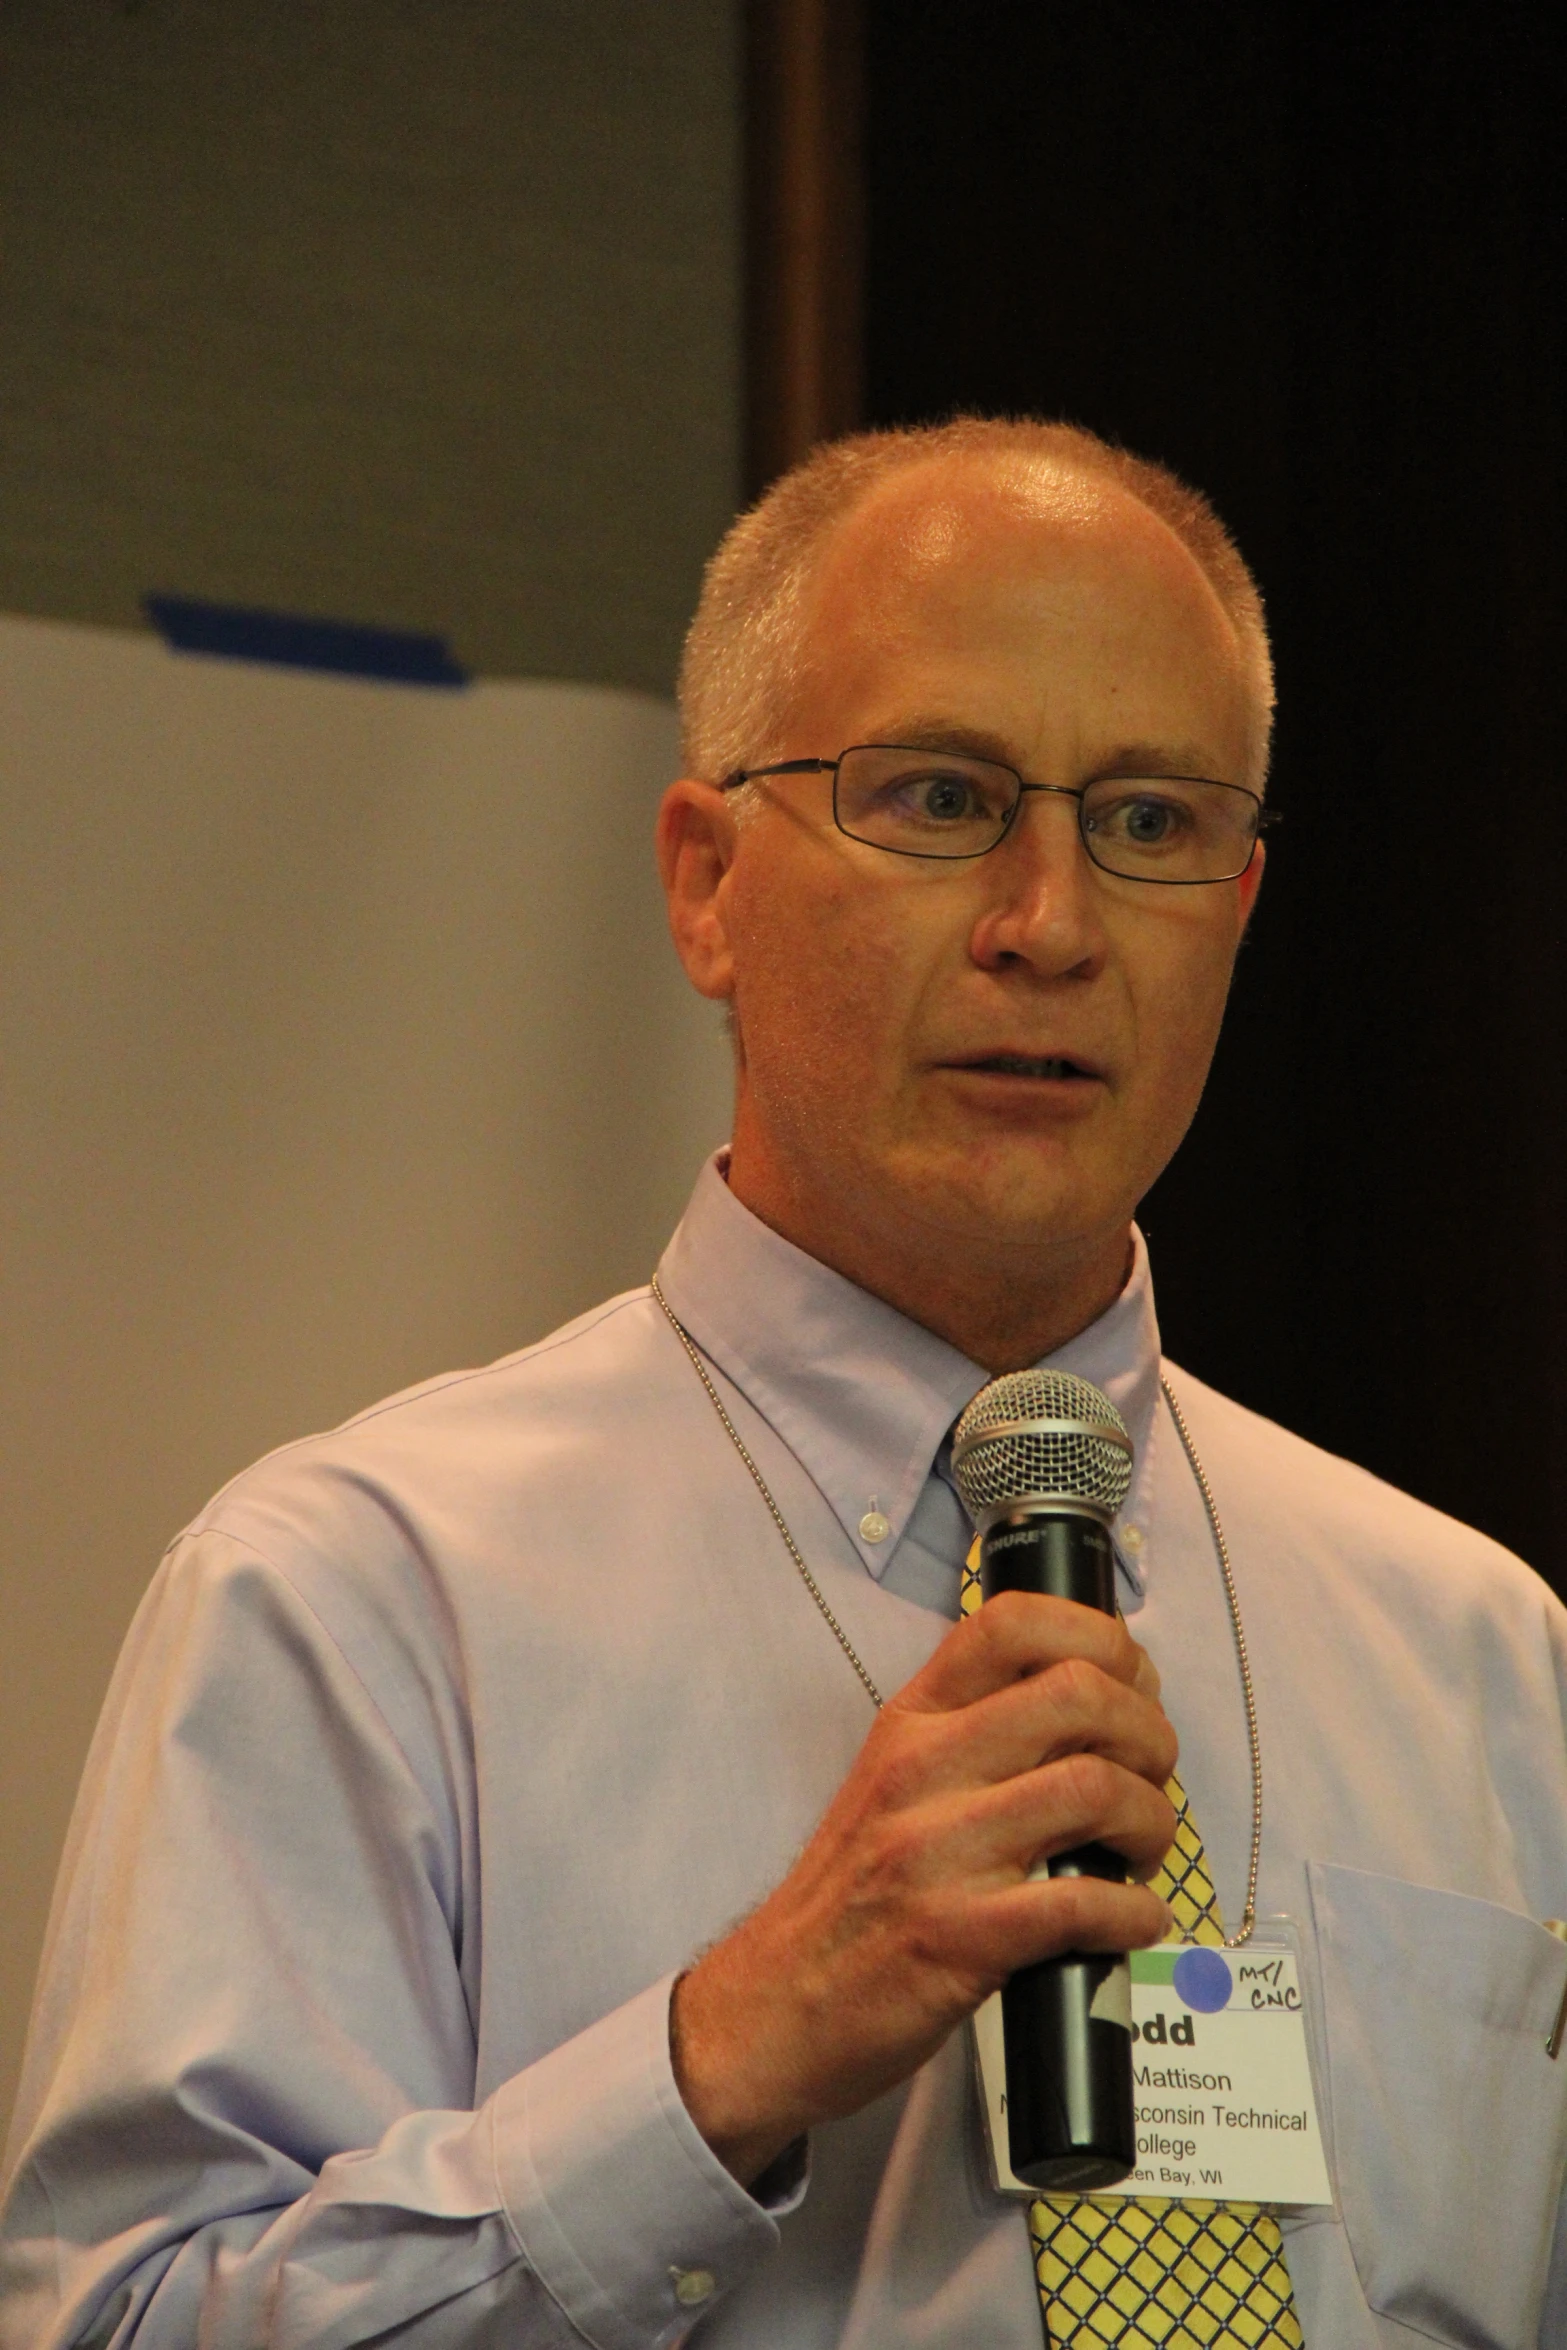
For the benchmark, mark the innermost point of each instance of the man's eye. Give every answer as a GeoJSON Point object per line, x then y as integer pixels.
{"type": "Point", "coordinates": [939, 798]}
{"type": "Point", "coordinates": [946, 797]}
{"type": "Point", "coordinates": [1144, 822]}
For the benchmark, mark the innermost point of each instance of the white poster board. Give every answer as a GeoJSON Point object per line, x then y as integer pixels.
{"type": "Point", "coordinates": [342, 1043]}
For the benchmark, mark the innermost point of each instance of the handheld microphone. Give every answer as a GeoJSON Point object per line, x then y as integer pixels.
{"type": "Point", "coordinates": [1043, 1462]}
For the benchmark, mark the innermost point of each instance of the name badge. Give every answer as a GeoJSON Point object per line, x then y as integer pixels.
{"type": "Point", "coordinates": [1221, 2075]}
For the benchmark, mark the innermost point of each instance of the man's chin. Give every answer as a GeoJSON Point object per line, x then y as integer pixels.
{"type": "Point", "coordinates": [976, 1203]}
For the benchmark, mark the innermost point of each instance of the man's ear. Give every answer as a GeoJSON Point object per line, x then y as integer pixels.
{"type": "Point", "coordinates": [1250, 883]}
{"type": "Point", "coordinates": [696, 845]}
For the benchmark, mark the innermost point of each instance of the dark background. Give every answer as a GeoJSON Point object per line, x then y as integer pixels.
{"type": "Point", "coordinates": [1314, 260]}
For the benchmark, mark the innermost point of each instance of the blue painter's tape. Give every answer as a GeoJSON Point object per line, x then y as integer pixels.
{"type": "Point", "coordinates": [345, 648]}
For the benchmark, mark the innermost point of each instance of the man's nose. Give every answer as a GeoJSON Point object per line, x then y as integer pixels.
{"type": "Point", "coordinates": [1045, 905]}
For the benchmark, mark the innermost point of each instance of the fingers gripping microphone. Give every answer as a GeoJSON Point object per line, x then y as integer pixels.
{"type": "Point", "coordinates": [1043, 1462]}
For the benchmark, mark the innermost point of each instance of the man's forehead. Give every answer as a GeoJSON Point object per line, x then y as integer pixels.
{"type": "Point", "coordinates": [926, 518]}
{"type": "Point", "coordinates": [995, 536]}
{"type": "Point", "coordinates": [967, 578]}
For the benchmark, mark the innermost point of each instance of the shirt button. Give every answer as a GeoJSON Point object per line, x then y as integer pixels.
{"type": "Point", "coordinates": [1132, 1539]}
{"type": "Point", "coordinates": [693, 2286]}
{"type": "Point", "coordinates": [874, 1527]}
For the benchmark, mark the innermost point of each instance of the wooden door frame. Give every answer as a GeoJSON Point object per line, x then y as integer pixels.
{"type": "Point", "coordinates": [805, 229]}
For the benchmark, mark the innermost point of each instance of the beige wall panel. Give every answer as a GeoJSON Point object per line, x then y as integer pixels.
{"type": "Point", "coordinates": [341, 1042]}
{"type": "Point", "coordinates": [413, 311]}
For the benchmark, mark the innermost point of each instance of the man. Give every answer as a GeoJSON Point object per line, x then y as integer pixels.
{"type": "Point", "coordinates": [497, 1912]}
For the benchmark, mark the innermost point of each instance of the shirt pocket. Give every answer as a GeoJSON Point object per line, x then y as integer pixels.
{"type": "Point", "coordinates": [1448, 2118]}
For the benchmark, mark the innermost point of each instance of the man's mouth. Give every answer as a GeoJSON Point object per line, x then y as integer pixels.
{"type": "Point", "coordinates": [1056, 1067]}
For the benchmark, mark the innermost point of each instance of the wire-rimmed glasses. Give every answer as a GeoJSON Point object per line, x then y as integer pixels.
{"type": "Point", "coordinates": [913, 802]}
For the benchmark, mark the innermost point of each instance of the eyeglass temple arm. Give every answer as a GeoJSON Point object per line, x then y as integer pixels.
{"type": "Point", "coordinates": [784, 767]}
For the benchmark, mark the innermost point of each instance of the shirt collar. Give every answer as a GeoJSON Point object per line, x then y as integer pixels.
{"type": "Point", "coordinates": [1120, 1355]}
{"type": "Point", "coordinates": [860, 1394]}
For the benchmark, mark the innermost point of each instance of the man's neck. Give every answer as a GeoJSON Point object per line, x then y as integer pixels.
{"type": "Point", "coordinates": [1004, 1308]}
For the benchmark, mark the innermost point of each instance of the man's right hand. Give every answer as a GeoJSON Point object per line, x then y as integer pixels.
{"type": "Point", "coordinates": [1035, 1727]}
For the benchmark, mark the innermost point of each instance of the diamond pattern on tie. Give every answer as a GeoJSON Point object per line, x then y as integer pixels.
{"type": "Point", "coordinates": [1183, 1880]}
{"type": "Point", "coordinates": [1152, 2273]}
{"type": "Point", "coordinates": [1177, 2274]}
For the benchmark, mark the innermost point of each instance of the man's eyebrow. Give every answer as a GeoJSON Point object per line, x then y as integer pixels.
{"type": "Point", "coordinates": [1134, 758]}
{"type": "Point", "coordinates": [1175, 758]}
{"type": "Point", "coordinates": [949, 734]}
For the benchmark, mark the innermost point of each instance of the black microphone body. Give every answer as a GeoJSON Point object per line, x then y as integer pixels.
{"type": "Point", "coordinates": [1044, 1460]}
{"type": "Point", "coordinates": [1070, 2121]}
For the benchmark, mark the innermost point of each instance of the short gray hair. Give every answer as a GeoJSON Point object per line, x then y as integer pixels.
{"type": "Point", "coordinates": [744, 656]}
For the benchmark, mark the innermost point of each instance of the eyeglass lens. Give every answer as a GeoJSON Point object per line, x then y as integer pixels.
{"type": "Point", "coordinates": [1145, 828]}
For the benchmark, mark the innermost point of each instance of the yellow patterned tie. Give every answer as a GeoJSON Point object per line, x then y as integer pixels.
{"type": "Point", "coordinates": [1123, 2274]}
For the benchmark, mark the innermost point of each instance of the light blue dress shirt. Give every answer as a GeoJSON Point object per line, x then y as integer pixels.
{"type": "Point", "coordinates": [442, 1741]}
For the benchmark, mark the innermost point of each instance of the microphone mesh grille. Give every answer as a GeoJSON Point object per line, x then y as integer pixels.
{"type": "Point", "coordinates": [1004, 1449]}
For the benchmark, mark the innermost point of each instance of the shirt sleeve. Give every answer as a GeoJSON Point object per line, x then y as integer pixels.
{"type": "Point", "coordinates": [247, 2119]}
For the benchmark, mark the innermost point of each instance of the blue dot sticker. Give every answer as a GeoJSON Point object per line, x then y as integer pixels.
{"type": "Point", "coordinates": [1203, 1980]}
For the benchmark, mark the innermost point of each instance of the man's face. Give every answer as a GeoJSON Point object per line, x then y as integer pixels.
{"type": "Point", "coordinates": [1002, 1052]}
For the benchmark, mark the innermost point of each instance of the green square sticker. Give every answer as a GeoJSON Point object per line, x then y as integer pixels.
{"type": "Point", "coordinates": [1156, 1966]}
